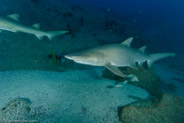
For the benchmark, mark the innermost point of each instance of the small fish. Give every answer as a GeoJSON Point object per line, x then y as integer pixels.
{"type": "Point", "coordinates": [132, 78]}
{"type": "Point", "coordinates": [11, 23]}
{"type": "Point", "coordinates": [118, 86]}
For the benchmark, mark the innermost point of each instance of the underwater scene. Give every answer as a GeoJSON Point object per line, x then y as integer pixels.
{"type": "Point", "coordinates": [98, 61]}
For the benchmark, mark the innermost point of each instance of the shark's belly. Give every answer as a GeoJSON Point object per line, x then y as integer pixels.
{"type": "Point", "coordinates": [8, 28]}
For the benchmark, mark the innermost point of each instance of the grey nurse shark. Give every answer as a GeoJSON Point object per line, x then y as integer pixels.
{"type": "Point", "coordinates": [113, 56]}
{"type": "Point", "coordinates": [11, 23]}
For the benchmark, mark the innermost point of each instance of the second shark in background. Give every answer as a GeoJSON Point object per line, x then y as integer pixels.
{"type": "Point", "coordinates": [11, 23]}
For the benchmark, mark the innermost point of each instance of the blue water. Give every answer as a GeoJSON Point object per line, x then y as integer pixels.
{"type": "Point", "coordinates": [165, 17]}
{"type": "Point", "coordinates": [38, 83]}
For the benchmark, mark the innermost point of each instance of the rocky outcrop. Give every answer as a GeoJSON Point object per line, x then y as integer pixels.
{"type": "Point", "coordinates": [148, 80]}
{"type": "Point", "coordinates": [170, 109]}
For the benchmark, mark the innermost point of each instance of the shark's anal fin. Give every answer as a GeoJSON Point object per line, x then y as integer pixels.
{"type": "Point", "coordinates": [114, 69]}
{"type": "Point", "coordinates": [14, 16]}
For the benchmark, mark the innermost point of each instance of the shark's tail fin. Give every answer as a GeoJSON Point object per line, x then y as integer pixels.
{"type": "Point", "coordinates": [52, 34]}
{"type": "Point", "coordinates": [158, 56]}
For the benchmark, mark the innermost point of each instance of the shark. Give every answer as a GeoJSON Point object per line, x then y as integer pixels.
{"type": "Point", "coordinates": [113, 56]}
{"type": "Point", "coordinates": [12, 23]}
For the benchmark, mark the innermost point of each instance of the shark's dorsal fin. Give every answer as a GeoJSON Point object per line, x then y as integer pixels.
{"type": "Point", "coordinates": [114, 69]}
{"type": "Point", "coordinates": [14, 16]}
{"type": "Point", "coordinates": [37, 25]}
{"type": "Point", "coordinates": [128, 41]}
{"type": "Point", "coordinates": [142, 49]}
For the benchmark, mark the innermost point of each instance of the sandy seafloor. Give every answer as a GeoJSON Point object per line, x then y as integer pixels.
{"type": "Point", "coordinates": [66, 91]}
{"type": "Point", "coordinates": [77, 96]}
{"type": "Point", "coordinates": [70, 97]}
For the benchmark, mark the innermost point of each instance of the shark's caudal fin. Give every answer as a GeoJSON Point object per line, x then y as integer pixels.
{"type": "Point", "coordinates": [52, 34]}
{"type": "Point", "coordinates": [158, 56]}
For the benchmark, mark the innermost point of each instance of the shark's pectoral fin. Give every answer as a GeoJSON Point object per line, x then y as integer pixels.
{"type": "Point", "coordinates": [14, 16]}
{"type": "Point", "coordinates": [114, 69]}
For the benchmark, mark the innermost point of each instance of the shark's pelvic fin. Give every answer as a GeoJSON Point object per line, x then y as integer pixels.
{"type": "Point", "coordinates": [142, 49]}
{"type": "Point", "coordinates": [37, 25]}
{"type": "Point", "coordinates": [133, 66]}
{"type": "Point", "coordinates": [14, 16]}
{"type": "Point", "coordinates": [40, 37]}
{"type": "Point", "coordinates": [114, 69]}
{"type": "Point", "coordinates": [128, 41]}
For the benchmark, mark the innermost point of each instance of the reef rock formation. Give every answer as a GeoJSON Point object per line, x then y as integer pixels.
{"type": "Point", "coordinates": [148, 80]}
{"type": "Point", "coordinates": [170, 109]}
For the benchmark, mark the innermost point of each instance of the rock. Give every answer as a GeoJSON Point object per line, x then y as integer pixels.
{"type": "Point", "coordinates": [170, 109]}
{"type": "Point", "coordinates": [148, 80]}
{"type": "Point", "coordinates": [16, 109]}
{"type": "Point", "coordinates": [20, 110]}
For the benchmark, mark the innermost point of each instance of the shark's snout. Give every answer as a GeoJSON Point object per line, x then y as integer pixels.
{"type": "Point", "coordinates": [71, 57]}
